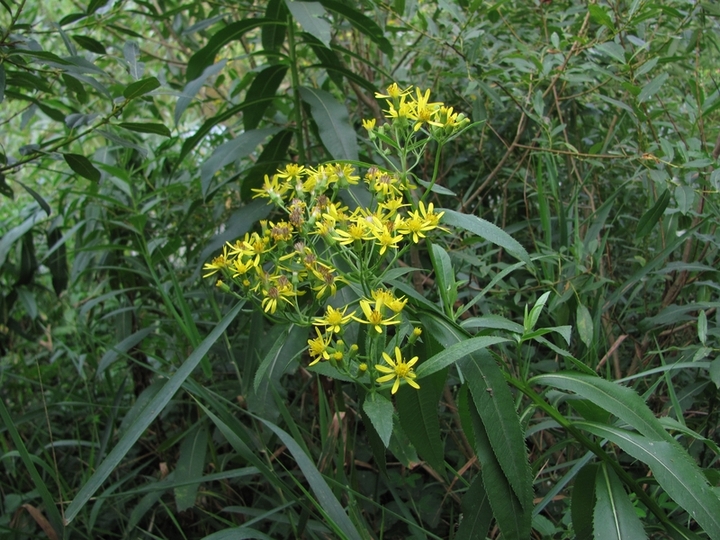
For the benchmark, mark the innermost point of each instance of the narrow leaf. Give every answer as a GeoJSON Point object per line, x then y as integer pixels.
{"type": "Point", "coordinates": [496, 408]}
{"type": "Point", "coordinates": [140, 88]}
{"type": "Point", "coordinates": [456, 352]}
{"type": "Point", "coordinates": [122, 348]}
{"type": "Point", "coordinates": [131, 53]}
{"type": "Point", "coordinates": [333, 122]}
{"type": "Point", "coordinates": [90, 44]}
{"type": "Point", "coordinates": [651, 88]}
{"type": "Point", "coordinates": [584, 325]}
{"type": "Point", "coordinates": [82, 166]}
{"type": "Point", "coordinates": [206, 56]}
{"type": "Point", "coordinates": [146, 417]}
{"type": "Point", "coordinates": [326, 500]}
{"type": "Point", "coordinates": [362, 23]}
{"type": "Point", "coordinates": [226, 153]}
{"type": "Point", "coordinates": [650, 218]}
{"type": "Point", "coordinates": [488, 231]}
{"type": "Point", "coordinates": [273, 35]}
{"type": "Point", "coordinates": [146, 127]}
{"type": "Point", "coordinates": [265, 85]}
{"type": "Point", "coordinates": [193, 87]}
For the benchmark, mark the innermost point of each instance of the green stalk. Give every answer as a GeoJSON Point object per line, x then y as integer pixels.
{"type": "Point", "coordinates": [296, 88]}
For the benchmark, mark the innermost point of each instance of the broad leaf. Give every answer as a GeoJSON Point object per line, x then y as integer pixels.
{"type": "Point", "coordinates": [333, 123]}
{"type": "Point", "coordinates": [488, 231]}
{"type": "Point", "coordinates": [140, 88]}
{"type": "Point", "coordinates": [82, 166]}
{"type": "Point", "coordinates": [615, 517]}
{"type": "Point", "coordinates": [190, 465]}
{"type": "Point", "coordinates": [146, 127]}
{"type": "Point", "coordinates": [379, 411]}
{"type": "Point", "coordinates": [310, 16]}
{"type": "Point", "coordinates": [674, 470]}
{"type": "Point", "coordinates": [265, 86]}
{"type": "Point", "coordinates": [496, 407]}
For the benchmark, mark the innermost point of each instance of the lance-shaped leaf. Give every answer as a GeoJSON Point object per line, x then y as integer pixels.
{"type": "Point", "coordinates": [615, 517]}
{"type": "Point", "coordinates": [310, 16]}
{"type": "Point", "coordinates": [206, 56]}
{"type": "Point", "coordinates": [362, 23]}
{"type": "Point", "coordinates": [379, 411]}
{"type": "Point", "coordinates": [265, 85]}
{"type": "Point", "coordinates": [193, 87]}
{"type": "Point", "coordinates": [146, 417]}
{"type": "Point", "coordinates": [333, 123]}
{"type": "Point", "coordinates": [488, 231]}
{"type": "Point", "coordinates": [190, 466]}
{"type": "Point", "coordinates": [140, 88]}
{"type": "Point", "coordinates": [650, 218]}
{"type": "Point", "coordinates": [673, 468]}
{"type": "Point", "coordinates": [456, 352]}
{"type": "Point", "coordinates": [82, 166]}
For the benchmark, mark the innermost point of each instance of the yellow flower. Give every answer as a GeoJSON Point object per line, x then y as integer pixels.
{"type": "Point", "coordinates": [334, 319]}
{"type": "Point", "coordinates": [272, 189]}
{"type": "Point", "coordinates": [424, 112]}
{"type": "Point", "coordinates": [416, 226]}
{"type": "Point", "coordinates": [317, 348]}
{"type": "Point", "coordinates": [218, 263]}
{"type": "Point", "coordinates": [393, 92]}
{"type": "Point", "coordinates": [292, 172]}
{"type": "Point", "coordinates": [399, 369]}
{"type": "Point", "coordinates": [374, 316]}
{"type": "Point", "coordinates": [369, 124]}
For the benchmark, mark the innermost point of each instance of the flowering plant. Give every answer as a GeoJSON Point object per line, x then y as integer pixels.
{"type": "Point", "coordinates": [326, 260]}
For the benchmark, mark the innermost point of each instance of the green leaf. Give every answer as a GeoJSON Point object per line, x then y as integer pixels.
{"type": "Point", "coordinates": [674, 470]}
{"type": "Point", "coordinates": [445, 276]}
{"type": "Point", "coordinates": [615, 517]}
{"type": "Point", "coordinates": [190, 465]}
{"type": "Point", "coordinates": [326, 500]}
{"type": "Point", "coordinates": [90, 44]}
{"type": "Point", "coordinates": [380, 410]}
{"type": "Point", "coordinates": [146, 127]}
{"type": "Point", "coordinates": [513, 520]}
{"type": "Point", "coordinates": [147, 416]}
{"type": "Point", "coordinates": [241, 146]}
{"type": "Point", "coordinates": [2, 83]}
{"type": "Point", "coordinates": [477, 513]}
{"type": "Point", "coordinates": [496, 407]}
{"type": "Point", "coordinates": [584, 324]}
{"type": "Point", "coordinates": [650, 218]}
{"type": "Point", "coordinates": [238, 533]}
{"type": "Point", "coordinates": [532, 318]}
{"type": "Point", "coordinates": [206, 56]}
{"type": "Point", "coordinates": [122, 348]}
{"type": "Point", "coordinates": [309, 15]}
{"type": "Point", "coordinates": [140, 88]}
{"type": "Point", "coordinates": [455, 352]}
{"type": "Point", "coordinates": [362, 23]}
{"type": "Point", "coordinates": [613, 50]}
{"type": "Point", "coordinates": [263, 87]}
{"type": "Point", "coordinates": [618, 400]}
{"type": "Point", "coordinates": [685, 197]}
{"type": "Point", "coordinates": [82, 166]}
{"type": "Point", "coordinates": [273, 35]}
{"type": "Point", "coordinates": [193, 87]}
{"type": "Point", "coordinates": [488, 231]}
{"type": "Point", "coordinates": [273, 156]}
{"type": "Point", "coordinates": [94, 5]}
{"type": "Point", "coordinates": [600, 16]}
{"type": "Point", "coordinates": [333, 123]}
{"type": "Point", "coordinates": [715, 372]}
{"type": "Point", "coordinates": [209, 124]}
{"type": "Point", "coordinates": [5, 189]}
{"type": "Point", "coordinates": [131, 53]}
{"type": "Point", "coordinates": [56, 259]}
{"type": "Point", "coordinates": [582, 504]}
{"type": "Point", "coordinates": [418, 413]}
{"type": "Point", "coordinates": [35, 195]}
{"type": "Point", "coordinates": [37, 480]}
{"type": "Point", "coordinates": [651, 88]}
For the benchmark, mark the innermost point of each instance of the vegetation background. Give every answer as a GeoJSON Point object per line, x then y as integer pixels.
{"type": "Point", "coordinates": [133, 132]}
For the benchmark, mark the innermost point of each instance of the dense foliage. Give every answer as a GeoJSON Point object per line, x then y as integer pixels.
{"type": "Point", "coordinates": [467, 256]}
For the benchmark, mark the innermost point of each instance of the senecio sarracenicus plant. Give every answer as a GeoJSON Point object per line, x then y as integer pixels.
{"type": "Point", "coordinates": [314, 246]}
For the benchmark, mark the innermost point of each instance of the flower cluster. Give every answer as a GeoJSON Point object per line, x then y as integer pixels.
{"type": "Point", "coordinates": [321, 239]}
